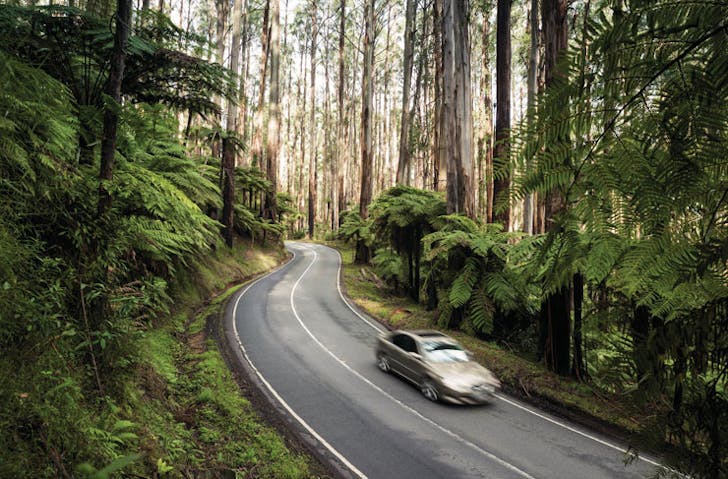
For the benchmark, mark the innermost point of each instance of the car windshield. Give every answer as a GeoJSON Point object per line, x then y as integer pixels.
{"type": "Point", "coordinates": [442, 352]}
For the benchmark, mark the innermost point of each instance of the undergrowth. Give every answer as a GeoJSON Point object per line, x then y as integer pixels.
{"type": "Point", "coordinates": [178, 414]}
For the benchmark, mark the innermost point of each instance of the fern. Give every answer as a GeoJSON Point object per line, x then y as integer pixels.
{"type": "Point", "coordinates": [482, 310]}
{"type": "Point", "coordinates": [462, 288]}
{"type": "Point", "coordinates": [634, 139]}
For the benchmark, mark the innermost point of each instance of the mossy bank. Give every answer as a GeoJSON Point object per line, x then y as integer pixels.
{"type": "Point", "coordinates": [174, 411]}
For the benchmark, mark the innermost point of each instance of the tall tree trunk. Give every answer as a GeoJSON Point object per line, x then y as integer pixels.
{"type": "Point", "coordinates": [403, 167]}
{"type": "Point", "coordinates": [555, 317]}
{"type": "Point", "coordinates": [362, 251]}
{"type": "Point", "coordinates": [328, 153]}
{"type": "Point", "coordinates": [221, 19]}
{"type": "Point", "coordinates": [528, 203]}
{"type": "Point", "coordinates": [312, 169]}
{"type": "Point", "coordinates": [501, 183]}
{"type": "Point", "coordinates": [300, 197]}
{"type": "Point", "coordinates": [447, 119]}
{"type": "Point", "coordinates": [578, 366]}
{"type": "Point", "coordinates": [336, 179]}
{"type": "Point", "coordinates": [439, 165]}
{"type": "Point", "coordinates": [457, 106]}
{"type": "Point", "coordinates": [228, 148]}
{"type": "Point", "coordinates": [256, 150]}
{"type": "Point", "coordinates": [274, 113]}
{"type": "Point", "coordinates": [113, 91]}
{"type": "Point", "coordinates": [241, 124]}
{"type": "Point", "coordinates": [414, 110]}
{"type": "Point", "coordinates": [485, 141]}
{"type": "Point", "coordinates": [464, 106]}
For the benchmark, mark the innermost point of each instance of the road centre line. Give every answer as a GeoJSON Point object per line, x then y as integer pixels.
{"type": "Point", "coordinates": [455, 436]}
{"type": "Point", "coordinates": [506, 400]}
{"type": "Point", "coordinates": [275, 393]}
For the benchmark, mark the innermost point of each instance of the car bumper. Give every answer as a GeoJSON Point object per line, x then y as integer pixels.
{"type": "Point", "coordinates": [468, 397]}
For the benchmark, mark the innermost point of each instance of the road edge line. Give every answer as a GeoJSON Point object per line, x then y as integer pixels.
{"type": "Point", "coordinates": [341, 465]}
{"type": "Point", "coordinates": [505, 464]}
{"type": "Point", "coordinates": [500, 396]}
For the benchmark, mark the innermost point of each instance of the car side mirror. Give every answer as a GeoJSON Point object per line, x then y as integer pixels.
{"type": "Point", "coordinates": [417, 356]}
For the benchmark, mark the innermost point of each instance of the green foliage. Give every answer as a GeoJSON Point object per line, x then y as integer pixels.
{"type": "Point", "coordinates": [388, 266]}
{"type": "Point", "coordinates": [78, 291]}
{"type": "Point", "coordinates": [403, 215]}
{"type": "Point", "coordinates": [470, 270]}
{"type": "Point", "coordinates": [74, 46]}
{"type": "Point", "coordinates": [633, 137]}
{"type": "Point", "coordinates": [354, 228]}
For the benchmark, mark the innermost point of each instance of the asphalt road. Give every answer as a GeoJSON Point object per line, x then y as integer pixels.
{"type": "Point", "coordinates": [312, 354]}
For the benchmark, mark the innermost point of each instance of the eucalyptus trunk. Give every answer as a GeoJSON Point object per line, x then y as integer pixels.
{"type": "Point", "coordinates": [256, 149]}
{"type": "Point", "coordinates": [457, 107]}
{"type": "Point", "coordinates": [228, 146]}
{"type": "Point", "coordinates": [404, 167]}
{"type": "Point", "coordinates": [362, 251]}
{"type": "Point", "coordinates": [485, 140]}
{"type": "Point", "coordinates": [338, 158]}
{"type": "Point", "coordinates": [241, 125]}
{"type": "Point", "coordinates": [274, 113]}
{"type": "Point", "coordinates": [555, 309]}
{"type": "Point", "coordinates": [528, 203]}
{"type": "Point", "coordinates": [312, 169]}
{"type": "Point", "coordinates": [439, 167]}
{"type": "Point", "coordinates": [501, 182]}
{"type": "Point", "coordinates": [220, 20]}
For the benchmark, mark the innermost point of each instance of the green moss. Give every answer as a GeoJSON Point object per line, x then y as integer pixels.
{"type": "Point", "coordinates": [159, 349]}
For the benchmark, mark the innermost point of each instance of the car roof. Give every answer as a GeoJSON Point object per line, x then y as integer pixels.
{"type": "Point", "coordinates": [426, 333]}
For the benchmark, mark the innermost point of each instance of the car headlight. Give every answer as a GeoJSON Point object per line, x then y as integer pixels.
{"type": "Point", "coordinates": [484, 388]}
{"type": "Point", "coordinates": [455, 385]}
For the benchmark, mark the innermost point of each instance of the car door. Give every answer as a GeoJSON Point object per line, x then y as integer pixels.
{"type": "Point", "coordinates": [405, 363]}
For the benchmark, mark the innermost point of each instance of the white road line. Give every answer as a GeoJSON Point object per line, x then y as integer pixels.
{"type": "Point", "coordinates": [455, 436]}
{"type": "Point", "coordinates": [504, 399]}
{"type": "Point", "coordinates": [278, 397]}
{"type": "Point", "coordinates": [377, 327]}
{"type": "Point", "coordinates": [574, 430]}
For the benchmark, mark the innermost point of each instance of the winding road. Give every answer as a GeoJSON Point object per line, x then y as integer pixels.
{"type": "Point", "coordinates": [311, 353]}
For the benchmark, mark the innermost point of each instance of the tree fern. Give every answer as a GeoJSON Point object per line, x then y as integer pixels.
{"type": "Point", "coordinates": [640, 156]}
{"type": "Point", "coordinates": [465, 280]}
{"type": "Point", "coordinates": [470, 264]}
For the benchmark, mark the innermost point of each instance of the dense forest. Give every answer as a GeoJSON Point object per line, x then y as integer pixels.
{"type": "Point", "coordinates": [550, 175]}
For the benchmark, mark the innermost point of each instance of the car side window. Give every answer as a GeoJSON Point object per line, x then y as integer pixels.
{"type": "Point", "coordinates": [405, 342]}
{"type": "Point", "coordinates": [401, 341]}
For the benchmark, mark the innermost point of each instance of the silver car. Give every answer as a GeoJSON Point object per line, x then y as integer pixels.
{"type": "Point", "coordinates": [437, 364]}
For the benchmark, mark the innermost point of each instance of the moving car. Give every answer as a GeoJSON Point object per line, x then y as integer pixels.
{"type": "Point", "coordinates": [437, 364]}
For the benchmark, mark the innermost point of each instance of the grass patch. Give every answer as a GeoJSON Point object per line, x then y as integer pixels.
{"type": "Point", "coordinates": [519, 375]}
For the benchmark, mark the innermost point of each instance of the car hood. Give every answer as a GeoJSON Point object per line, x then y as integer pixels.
{"type": "Point", "coordinates": [466, 373]}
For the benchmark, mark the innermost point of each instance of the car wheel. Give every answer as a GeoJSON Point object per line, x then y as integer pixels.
{"type": "Point", "coordinates": [383, 363]}
{"type": "Point", "coordinates": [429, 390]}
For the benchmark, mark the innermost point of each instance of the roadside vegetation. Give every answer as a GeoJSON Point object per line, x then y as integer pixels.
{"type": "Point", "coordinates": [176, 411]}
{"type": "Point", "coordinates": [516, 369]}
{"type": "Point", "coordinates": [106, 369]}
{"type": "Point", "coordinates": [634, 356]}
